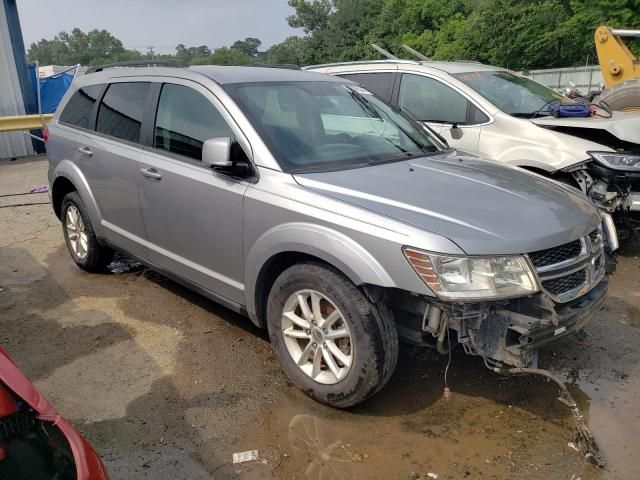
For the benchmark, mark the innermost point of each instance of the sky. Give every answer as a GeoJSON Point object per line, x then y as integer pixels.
{"type": "Point", "coordinates": [161, 23]}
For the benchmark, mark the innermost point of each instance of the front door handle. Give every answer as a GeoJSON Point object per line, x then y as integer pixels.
{"type": "Point", "coordinates": [151, 173]}
{"type": "Point", "coordinates": [85, 151]}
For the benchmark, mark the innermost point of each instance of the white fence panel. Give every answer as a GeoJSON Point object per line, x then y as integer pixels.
{"type": "Point", "coordinates": [586, 78]}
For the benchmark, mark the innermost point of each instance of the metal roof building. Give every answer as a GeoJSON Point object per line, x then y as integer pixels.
{"type": "Point", "coordinates": [16, 92]}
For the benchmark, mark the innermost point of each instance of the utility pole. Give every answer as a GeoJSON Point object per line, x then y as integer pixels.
{"type": "Point", "coordinates": [150, 52]}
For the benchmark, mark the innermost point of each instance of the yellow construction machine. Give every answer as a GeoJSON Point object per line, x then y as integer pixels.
{"type": "Point", "coordinates": [620, 69]}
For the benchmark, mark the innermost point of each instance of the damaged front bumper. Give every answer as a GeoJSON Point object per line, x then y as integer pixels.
{"type": "Point", "coordinates": [506, 332]}
{"type": "Point", "coordinates": [513, 335]}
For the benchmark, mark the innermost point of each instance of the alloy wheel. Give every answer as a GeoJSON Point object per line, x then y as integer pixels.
{"type": "Point", "coordinates": [317, 337]}
{"type": "Point", "coordinates": [76, 232]}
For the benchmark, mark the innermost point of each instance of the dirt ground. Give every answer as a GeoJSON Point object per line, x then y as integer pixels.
{"type": "Point", "coordinates": [168, 385]}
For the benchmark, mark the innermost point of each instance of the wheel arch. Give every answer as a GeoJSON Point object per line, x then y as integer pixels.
{"type": "Point", "coordinates": [69, 178]}
{"type": "Point", "coordinates": [284, 246]}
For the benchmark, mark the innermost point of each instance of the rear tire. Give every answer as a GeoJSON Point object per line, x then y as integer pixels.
{"type": "Point", "coordinates": [368, 346]}
{"type": "Point", "coordinates": [625, 96]}
{"type": "Point", "coordinates": [80, 237]}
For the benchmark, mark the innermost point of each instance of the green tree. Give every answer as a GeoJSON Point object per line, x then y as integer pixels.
{"type": "Point", "coordinates": [249, 46]}
{"type": "Point", "coordinates": [95, 47]}
{"type": "Point", "coordinates": [293, 50]}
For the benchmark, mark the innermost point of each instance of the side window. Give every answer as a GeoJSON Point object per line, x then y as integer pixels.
{"type": "Point", "coordinates": [432, 101]}
{"type": "Point", "coordinates": [121, 110]}
{"type": "Point", "coordinates": [185, 119]}
{"type": "Point", "coordinates": [476, 116]}
{"type": "Point", "coordinates": [380, 84]}
{"type": "Point", "coordinates": [78, 110]}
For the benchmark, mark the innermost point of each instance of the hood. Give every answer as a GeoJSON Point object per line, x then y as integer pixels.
{"type": "Point", "coordinates": [19, 384]}
{"type": "Point", "coordinates": [483, 206]}
{"type": "Point", "coordinates": [624, 126]}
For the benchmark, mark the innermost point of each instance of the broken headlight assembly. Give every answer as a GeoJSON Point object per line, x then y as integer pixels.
{"type": "Point", "coordinates": [617, 160]}
{"type": "Point", "coordinates": [473, 278]}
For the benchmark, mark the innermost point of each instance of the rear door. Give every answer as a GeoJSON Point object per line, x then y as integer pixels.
{"type": "Point", "coordinates": [111, 163]}
{"type": "Point", "coordinates": [193, 215]}
{"type": "Point", "coordinates": [441, 106]}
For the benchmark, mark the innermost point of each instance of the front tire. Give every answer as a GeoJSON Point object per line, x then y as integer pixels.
{"type": "Point", "coordinates": [334, 344]}
{"type": "Point", "coordinates": [80, 237]}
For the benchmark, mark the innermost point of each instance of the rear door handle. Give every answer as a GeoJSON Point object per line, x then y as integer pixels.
{"type": "Point", "coordinates": [151, 173]}
{"type": "Point", "coordinates": [85, 151]}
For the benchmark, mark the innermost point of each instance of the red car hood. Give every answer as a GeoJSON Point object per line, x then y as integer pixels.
{"type": "Point", "coordinates": [17, 382]}
{"type": "Point", "coordinates": [88, 463]}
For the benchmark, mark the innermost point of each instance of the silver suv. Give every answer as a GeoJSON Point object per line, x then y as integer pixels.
{"type": "Point", "coordinates": [324, 215]}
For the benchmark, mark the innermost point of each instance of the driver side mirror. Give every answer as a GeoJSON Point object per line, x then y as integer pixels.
{"type": "Point", "coordinates": [456, 132]}
{"type": "Point", "coordinates": [216, 153]}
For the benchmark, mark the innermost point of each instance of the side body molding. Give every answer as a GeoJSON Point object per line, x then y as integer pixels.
{"type": "Point", "coordinates": [327, 244]}
{"type": "Point", "coordinates": [71, 172]}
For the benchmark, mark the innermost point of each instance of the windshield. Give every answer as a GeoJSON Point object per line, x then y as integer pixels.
{"type": "Point", "coordinates": [515, 95]}
{"type": "Point", "coordinates": [321, 126]}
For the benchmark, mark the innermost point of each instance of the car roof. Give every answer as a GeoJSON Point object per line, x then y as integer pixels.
{"type": "Point", "coordinates": [220, 74]}
{"type": "Point", "coordinates": [239, 74]}
{"type": "Point", "coordinates": [454, 66]}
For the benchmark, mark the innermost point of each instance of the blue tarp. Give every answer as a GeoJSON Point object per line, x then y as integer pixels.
{"type": "Point", "coordinates": [52, 89]}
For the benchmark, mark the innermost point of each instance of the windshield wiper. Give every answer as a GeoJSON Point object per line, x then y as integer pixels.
{"type": "Point", "coordinates": [530, 114]}
{"type": "Point", "coordinates": [372, 108]}
{"type": "Point", "coordinates": [358, 97]}
{"type": "Point", "coordinates": [412, 116]}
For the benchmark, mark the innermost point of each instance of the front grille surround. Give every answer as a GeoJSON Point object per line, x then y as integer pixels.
{"type": "Point", "coordinates": [553, 256]}
{"type": "Point", "coordinates": [570, 270]}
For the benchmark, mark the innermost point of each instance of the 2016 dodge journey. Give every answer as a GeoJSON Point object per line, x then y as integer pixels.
{"type": "Point", "coordinates": [324, 215]}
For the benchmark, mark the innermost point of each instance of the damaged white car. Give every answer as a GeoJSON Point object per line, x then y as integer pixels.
{"type": "Point", "coordinates": [495, 113]}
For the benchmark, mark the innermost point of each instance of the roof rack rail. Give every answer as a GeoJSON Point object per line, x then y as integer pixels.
{"type": "Point", "coordinates": [287, 66]}
{"type": "Point", "coordinates": [140, 63]}
{"type": "Point", "coordinates": [384, 52]}
{"type": "Point", "coordinates": [361, 62]}
{"type": "Point", "coordinates": [416, 54]}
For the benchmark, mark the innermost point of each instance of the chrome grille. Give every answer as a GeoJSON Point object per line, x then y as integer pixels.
{"type": "Point", "coordinates": [570, 270]}
{"type": "Point", "coordinates": [551, 256]}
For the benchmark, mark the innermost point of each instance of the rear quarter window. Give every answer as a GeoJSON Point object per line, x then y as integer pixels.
{"type": "Point", "coordinates": [121, 110]}
{"type": "Point", "coordinates": [78, 110]}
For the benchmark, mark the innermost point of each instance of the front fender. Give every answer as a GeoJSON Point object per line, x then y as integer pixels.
{"type": "Point", "coordinates": [331, 246]}
{"type": "Point", "coordinates": [70, 171]}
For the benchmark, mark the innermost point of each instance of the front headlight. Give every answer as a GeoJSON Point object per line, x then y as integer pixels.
{"type": "Point", "coordinates": [473, 278]}
{"type": "Point", "coordinates": [617, 160]}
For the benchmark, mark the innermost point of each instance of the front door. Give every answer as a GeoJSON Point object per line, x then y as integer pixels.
{"type": "Point", "coordinates": [193, 215]}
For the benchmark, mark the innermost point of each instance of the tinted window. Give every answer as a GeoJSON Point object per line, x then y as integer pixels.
{"type": "Point", "coordinates": [379, 84]}
{"type": "Point", "coordinates": [476, 116]}
{"type": "Point", "coordinates": [121, 110]}
{"type": "Point", "coordinates": [185, 120]}
{"type": "Point", "coordinates": [78, 110]}
{"type": "Point", "coordinates": [432, 101]}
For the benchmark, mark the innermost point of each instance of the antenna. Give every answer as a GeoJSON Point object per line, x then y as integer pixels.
{"type": "Point", "coordinates": [415, 53]}
{"type": "Point", "coordinates": [384, 52]}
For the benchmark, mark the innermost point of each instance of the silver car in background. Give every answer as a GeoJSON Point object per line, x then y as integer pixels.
{"type": "Point", "coordinates": [324, 215]}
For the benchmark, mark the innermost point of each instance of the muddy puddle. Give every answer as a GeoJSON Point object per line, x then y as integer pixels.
{"type": "Point", "coordinates": [488, 428]}
{"type": "Point", "coordinates": [121, 265]}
